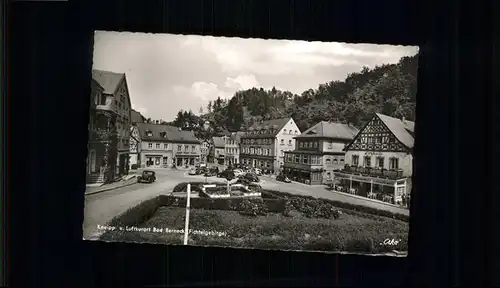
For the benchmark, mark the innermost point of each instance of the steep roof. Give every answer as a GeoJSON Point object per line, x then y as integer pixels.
{"type": "Point", "coordinates": [236, 136]}
{"type": "Point", "coordinates": [402, 130]}
{"type": "Point", "coordinates": [333, 130]}
{"type": "Point", "coordinates": [173, 134]}
{"type": "Point", "coordinates": [219, 142]}
{"type": "Point", "coordinates": [108, 80]}
{"type": "Point", "coordinates": [267, 128]}
{"type": "Point", "coordinates": [136, 117]}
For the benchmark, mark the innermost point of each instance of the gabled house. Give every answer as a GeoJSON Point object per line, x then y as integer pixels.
{"type": "Point", "coordinates": [232, 148]}
{"type": "Point", "coordinates": [379, 160]}
{"type": "Point", "coordinates": [263, 144]}
{"type": "Point", "coordinates": [218, 150]}
{"type": "Point", "coordinates": [318, 152]}
{"type": "Point", "coordinates": [163, 146]}
{"type": "Point", "coordinates": [204, 151]}
{"type": "Point", "coordinates": [113, 115]}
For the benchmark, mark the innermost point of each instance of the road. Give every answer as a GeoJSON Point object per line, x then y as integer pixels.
{"type": "Point", "coordinates": [100, 208]}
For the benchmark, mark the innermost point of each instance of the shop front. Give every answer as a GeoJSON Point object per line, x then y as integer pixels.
{"type": "Point", "coordinates": [306, 176]}
{"type": "Point", "coordinates": [383, 189]}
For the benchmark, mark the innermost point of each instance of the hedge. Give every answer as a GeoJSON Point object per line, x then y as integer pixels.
{"type": "Point", "coordinates": [272, 194]}
{"type": "Point", "coordinates": [142, 212]}
{"type": "Point", "coordinates": [274, 201]}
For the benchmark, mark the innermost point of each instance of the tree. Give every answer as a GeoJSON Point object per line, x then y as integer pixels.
{"type": "Point", "coordinates": [389, 89]}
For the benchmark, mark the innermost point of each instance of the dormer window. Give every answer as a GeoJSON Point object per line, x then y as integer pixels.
{"type": "Point", "coordinates": [163, 134]}
{"type": "Point", "coordinates": [149, 133]}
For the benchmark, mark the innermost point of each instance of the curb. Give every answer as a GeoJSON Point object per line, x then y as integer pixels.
{"type": "Point", "coordinates": [109, 189]}
{"type": "Point", "coordinates": [369, 199]}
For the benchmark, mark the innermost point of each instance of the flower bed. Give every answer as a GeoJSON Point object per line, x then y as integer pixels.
{"type": "Point", "coordinates": [307, 202]}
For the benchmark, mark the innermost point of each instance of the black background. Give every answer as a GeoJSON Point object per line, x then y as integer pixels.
{"type": "Point", "coordinates": [49, 63]}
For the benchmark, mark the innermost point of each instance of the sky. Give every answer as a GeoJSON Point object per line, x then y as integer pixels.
{"type": "Point", "coordinates": [166, 72]}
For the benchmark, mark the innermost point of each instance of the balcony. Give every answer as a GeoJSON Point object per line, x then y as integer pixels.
{"type": "Point", "coordinates": [102, 135]}
{"type": "Point", "coordinates": [186, 152]}
{"type": "Point", "coordinates": [373, 172]}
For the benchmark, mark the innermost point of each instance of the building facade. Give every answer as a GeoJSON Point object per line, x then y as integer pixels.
{"type": "Point", "coordinates": [164, 146]}
{"type": "Point", "coordinates": [263, 145]}
{"type": "Point", "coordinates": [218, 150]}
{"type": "Point", "coordinates": [232, 148]}
{"type": "Point", "coordinates": [98, 135]}
{"type": "Point", "coordinates": [204, 151]}
{"type": "Point", "coordinates": [115, 99]}
{"type": "Point", "coordinates": [318, 152]}
{"type": "Point", "coordinates": [135, 148]}
{"type": "Point", "coordinates": [379, 160]}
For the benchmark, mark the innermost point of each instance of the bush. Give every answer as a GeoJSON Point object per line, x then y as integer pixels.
{"type": "Point", "coordinates": [133, 167]}
{"type": "Point", "coordinates": [137, 214]}
{"type": "Point", "coordinates": [252, 208]}
{"type": "Point", "coordinates": [302, 204]}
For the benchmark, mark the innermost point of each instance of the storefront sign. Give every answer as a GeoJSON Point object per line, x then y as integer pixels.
{"type": "Point", "coordinates": [373, 153]}
{"type": "Point", "coordinates": [357, 178]}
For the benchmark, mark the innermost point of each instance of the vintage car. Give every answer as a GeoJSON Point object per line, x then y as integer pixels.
{"type": "Point", "coordinates": [238, 172]}
{"type": "Point", "coordinates": [283, 178]}
{"type": "Point", "coordinates": [212, 172]}
{"type": "Point", "coordinates": [251, 177]}
{"type": "Point", "coordinates": [228, 174]}
{"type": "Point", "coordinates": [251, 185]}
{"type": "Point", "coordinates": [147, 176]}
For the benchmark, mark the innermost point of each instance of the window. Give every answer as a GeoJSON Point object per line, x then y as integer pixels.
{"type": "Point", "coordinates": [289, 142]}
{"type": "Point", "coordinates": [297, 158]}
{"type": "Point", "coordinates": [150, 145]}
{"type": "Point", "coordinates": [282, 142]}
{"type": "Point", "coordinates": [296, 132]}
{"type": "Point", "coordinates": [355, 160]}
{"type": "Point", "coordinates": [268, 164]}
{"type": "Point", "coordinates": [330, 145]}
{"type": "Point", "coordinates": [186, 148]}
{"type": "Point", "coordinates": [157, 145]}
{"type": "Point", "coordinates": [284, 131]}
{"type": "Point", "coordinates": [335, 161]}
{"type": "Point", "coordinates": [149, 133]}
{"type": "Point", "coordinates": [328, 161]}
{"type": "Point", "coordinates": [252, 150]}
{"type": "Point", "coordinates": [394, 163]}
{"type": "Point", "coordinates": [305, 159]}
{"type": "Point", "coordinates": [380, 161]}
{"type": "Point", "coordinates": [301, 144]}
{"type": "Point", "coordinates": [314, 160]}
{"type": "Point", "coordinates": [315, 144]}
{"type": "Point", "coordinates": [179, 147]}
{"type": "Point", "coordinates": [328, 175]}
{"type": "Point", "coordinates": [282, 153]}
{"type": "Point", "coordinates": [288, 157]}
{"type": "Point", "coordinates": [193, 148]}
{"type": "Point", "coordinates": [268, 151]}
{"type": "Point", "coordinates": [368, 161]}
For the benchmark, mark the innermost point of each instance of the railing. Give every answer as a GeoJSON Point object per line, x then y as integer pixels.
{"type": "Point", "coordinates": [376, 172]}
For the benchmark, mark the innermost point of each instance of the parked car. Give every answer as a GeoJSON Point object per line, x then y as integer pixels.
{"type": "Point", "coordinates": [256, 171]}
{"type": "Point", "coordinates": [212, 172]}
{"type": "Point", "coordinates": [147, 176]}
{"type": "Point", "coordinates": [238, 172]}
{"type": "Point", "coordinates": [283, 178]}
{"type": "Point", "coordinates": [251, 185]}
{"type": "Point", "coordinates": [192, 172]}
{"type": "Point", "coordinates": [228, 174]}
{"type": "Point", "coordinates": [251, 177]}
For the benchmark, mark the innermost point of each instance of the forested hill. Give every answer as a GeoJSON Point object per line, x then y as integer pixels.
{"type": "Point", "coordinates": [388, 89]}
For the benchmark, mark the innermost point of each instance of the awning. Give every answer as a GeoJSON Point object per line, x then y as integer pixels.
{"type": "Point", "coordinates": [367, 179]}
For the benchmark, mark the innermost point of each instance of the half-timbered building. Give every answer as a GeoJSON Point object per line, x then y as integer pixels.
{"type": "Point", "coordinates": [379, 160]}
